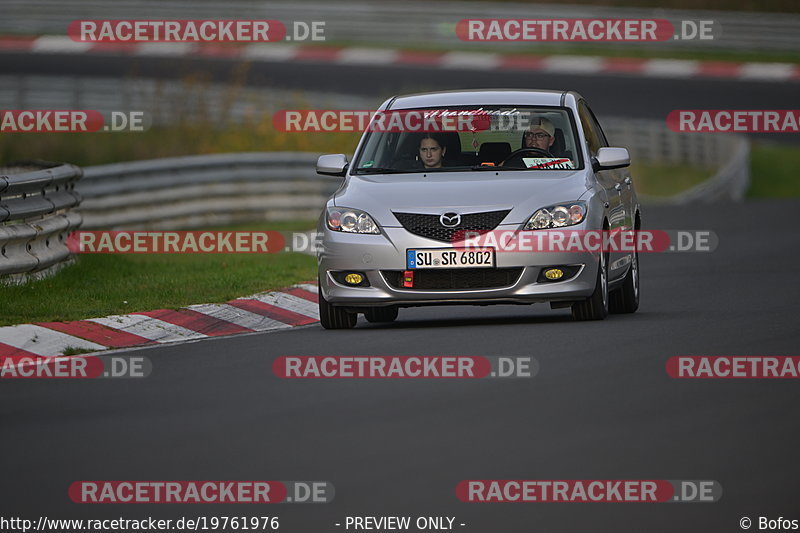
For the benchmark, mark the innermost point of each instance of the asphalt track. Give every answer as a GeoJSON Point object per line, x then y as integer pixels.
{"type": "Point", "coordinates": [602, 406]}
{"type": "Point", "coordinates": [610, 95]}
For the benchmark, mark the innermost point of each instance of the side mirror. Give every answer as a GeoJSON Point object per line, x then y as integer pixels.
{"type": "Point", "coordinates": [332, 165]}
{"type": "Point", "coordinates": [609, 158]}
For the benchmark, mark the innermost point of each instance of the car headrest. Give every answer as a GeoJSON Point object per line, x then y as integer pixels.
{"type": "Point", "coordinates": [493, 152]}
{"type": "Point", "coordinates": [453, 144]}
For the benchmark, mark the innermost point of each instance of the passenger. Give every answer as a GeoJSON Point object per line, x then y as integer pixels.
{"type": "Point", "coordinates": [540, 134]}
{"type": "Point", "coordinates": [431, 151]}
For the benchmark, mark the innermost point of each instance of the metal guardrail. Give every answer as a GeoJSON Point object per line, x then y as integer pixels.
{"type": "Point", "coordinates": [36, 202]}
{"type": "Point", "coordinates": [653, 142]}
{"type": "Point", "coordinates": [409, 22]}
{"type": "Point", "coordinates": [202, 191]}
{"type": "Point", "coordinates": [729, 183]}
{"type": "Point", "coordinates": [727, 156]}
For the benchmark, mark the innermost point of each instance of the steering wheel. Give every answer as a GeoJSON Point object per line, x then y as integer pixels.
{"type": "Point", "coordinates": [522, 152]}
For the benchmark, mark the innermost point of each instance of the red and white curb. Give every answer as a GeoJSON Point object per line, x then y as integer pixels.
{"type": "Point", "coordinates": [281, 52]}
{"type": "Point", "coordinates": [286, 308]}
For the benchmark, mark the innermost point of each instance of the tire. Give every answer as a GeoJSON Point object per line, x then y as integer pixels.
{"type": "Point", "coordinates": [626, 298]}
{"type": "Point", "coordinates": [595, 307]}
{"type": "Point", "coordinates": [332, 317]}
{"type": "Point", "coordinates": [381, 314]}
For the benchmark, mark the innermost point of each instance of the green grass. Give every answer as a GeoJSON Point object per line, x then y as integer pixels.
{"type": "Point", "coordinates": [775, 171]}
{"type": "Point", "coordinates": [666, 180]}
{"type": "Point", "coordinates": [187, 138]}
{"type": "Point", "coordinates": [100, 285]}
{"type": "Point", "coordinates": [72, 350]}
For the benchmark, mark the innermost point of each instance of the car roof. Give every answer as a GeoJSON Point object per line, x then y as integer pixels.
{"type": "Point", "coordinates": [517, 97]}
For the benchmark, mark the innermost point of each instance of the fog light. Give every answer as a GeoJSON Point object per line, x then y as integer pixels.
{"type": "Point", "coordinates": [553, 273]}
{"type": "Point", "coordinates": [408, 279]}
{"type": "Point", "coordinates": [353, 278]}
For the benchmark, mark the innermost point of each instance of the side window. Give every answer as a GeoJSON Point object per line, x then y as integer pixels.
{"type": "Point", "coordinates": [591, 129]}
{"type": "Point", "coordinates": [596, 126]}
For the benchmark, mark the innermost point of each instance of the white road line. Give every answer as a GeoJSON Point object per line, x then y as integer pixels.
{"type": "Point", "coordinates": [164, 49]}
{"type": "Point", "coordinates": [287, 301]}
{"type": "Point", "coordinates": [366, 56]}
{"type": "Point", "coordinates": [573, 64]}
{"type": "Point", "coordinates": [59, 44]}
{"type": "Point", "coordinates": [43, 341]}
{"type": "Point", "coordinates": [670, 68]}
{"type": "Point", "coordinates": [149, 328]}
{"type": "Point", "coordinates": [766, 71]}
{"type": "Point", "coordinates": [471, 60]}
{"type": "Point", "coordinates": [270, 52]}
{"type": "Point", "coordinates": [240, 317]}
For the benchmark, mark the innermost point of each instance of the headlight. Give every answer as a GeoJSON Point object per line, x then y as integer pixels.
{"type": "Point", "coordinates": [557, 216]}
{"type": "Point", "coordinates": [350, 221]}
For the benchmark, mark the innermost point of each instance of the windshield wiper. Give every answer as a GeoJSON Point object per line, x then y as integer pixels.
{"type": "Point", "coordinates": [379, 170]}
{"type": "Point", "coordinates": [498, 169]}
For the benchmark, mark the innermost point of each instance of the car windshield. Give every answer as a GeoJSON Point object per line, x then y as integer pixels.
{"type": "Point", "coordinates": [470, 138]}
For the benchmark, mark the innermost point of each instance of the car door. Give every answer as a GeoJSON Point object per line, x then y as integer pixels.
{"type": "Point", "coordinates": [612, 182]}
{"type": "Point", "coordinates": [623, 180]}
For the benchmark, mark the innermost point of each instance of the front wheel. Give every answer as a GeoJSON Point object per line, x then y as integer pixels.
{"type": "Point", "coordinates": [626, 298]}
{"type": "Point", "coordinates": [332, 317]}
{"type": "Point", "coordinates": [595, 307]}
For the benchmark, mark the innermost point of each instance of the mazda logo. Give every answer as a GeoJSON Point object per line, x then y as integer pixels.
{"type": "Point", "coordinates": [450, 220]}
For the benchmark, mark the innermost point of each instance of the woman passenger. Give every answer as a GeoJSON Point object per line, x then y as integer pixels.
{"type": "Point", "coordinates": [431, 151]}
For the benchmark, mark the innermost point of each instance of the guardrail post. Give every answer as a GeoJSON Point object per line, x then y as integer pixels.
{"type": "Point", "coordinates": [36, 202]}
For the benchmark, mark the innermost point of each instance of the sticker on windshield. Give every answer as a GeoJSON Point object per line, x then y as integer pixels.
{"type": "Point", "coordinates": [558, 163]}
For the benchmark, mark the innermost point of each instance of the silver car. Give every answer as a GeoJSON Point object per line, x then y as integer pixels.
{"type": "Point", "coordinates": [443, 167]}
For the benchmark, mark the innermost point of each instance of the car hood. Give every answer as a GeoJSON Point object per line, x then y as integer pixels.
{"type": "Point", "coordinates": [463, 192]}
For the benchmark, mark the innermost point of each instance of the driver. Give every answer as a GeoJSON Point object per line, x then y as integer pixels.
{"type": "Point", "coordinates": [540, 134]}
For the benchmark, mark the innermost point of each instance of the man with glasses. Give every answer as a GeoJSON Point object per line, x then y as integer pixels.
{"type": "Point", "coordinates": [540, 134]}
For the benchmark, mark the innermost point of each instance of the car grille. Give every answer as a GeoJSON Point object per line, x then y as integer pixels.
{"type": "Point", "coordinates": [455, 278]}
{"type": "Point", "coordinates": [430, 227]}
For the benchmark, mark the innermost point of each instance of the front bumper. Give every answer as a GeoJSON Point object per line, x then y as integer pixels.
{"type": "Point", "coordinates": [371, 254]}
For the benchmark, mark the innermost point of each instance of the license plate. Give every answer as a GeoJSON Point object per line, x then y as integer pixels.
{"type": "Point", "coordinates": [450, 258]}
